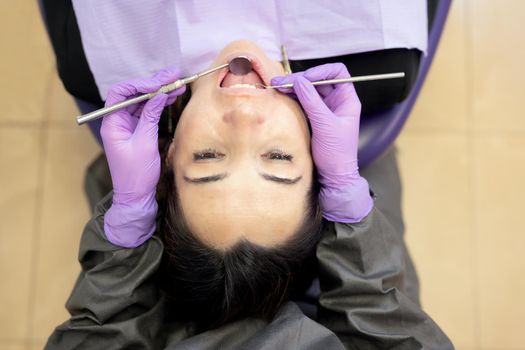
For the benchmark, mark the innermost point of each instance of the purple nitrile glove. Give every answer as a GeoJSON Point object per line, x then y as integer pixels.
{"type": "Point", "coordinates": [130, 138]}
{"type": "Point", "coordinates": [333, 112]}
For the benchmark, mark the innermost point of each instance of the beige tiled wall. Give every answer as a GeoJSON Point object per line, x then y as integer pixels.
{"type": "Point", "coordinates": [462, 158]}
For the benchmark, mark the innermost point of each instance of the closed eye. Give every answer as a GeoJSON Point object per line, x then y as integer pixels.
{"type": "Point", "coordinates": [277, 155]}
{"type": "Point", "coordinates": [214, 154]}
{"type": "Point", "coordinates": [206, 154]}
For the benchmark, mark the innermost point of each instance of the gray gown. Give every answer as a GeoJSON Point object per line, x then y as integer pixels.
{"type": "Point", "coordinates": [367, 296]}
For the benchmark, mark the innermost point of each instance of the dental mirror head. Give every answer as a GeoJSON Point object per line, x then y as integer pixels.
{"type": "Point", "coordinates": [240, 65]}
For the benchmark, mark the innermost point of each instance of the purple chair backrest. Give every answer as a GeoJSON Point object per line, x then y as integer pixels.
{"type": "Point", "coordinates": [379, 130]}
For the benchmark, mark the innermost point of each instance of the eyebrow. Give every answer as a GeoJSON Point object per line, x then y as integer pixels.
{"type": "Point", "coordinates": [219, 177]}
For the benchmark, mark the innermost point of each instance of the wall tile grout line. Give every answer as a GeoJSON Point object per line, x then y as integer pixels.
{"type": "Point", "coordinates": [63, 125]}
{"type": "Point", "coordinates": [471, 168]}
{"type": "Point", "coordinates": [467, 132]}
{"type": "Point", "coordinates": [429, 131]}
{"type": "Point", "coordinates": [35, 246]}
{"type": "Point", "coordinates": [11, 341]}
{"type": "Point", "coordinates": [8, 124]}
{"type": "Point", "coordinates": [17, 343]}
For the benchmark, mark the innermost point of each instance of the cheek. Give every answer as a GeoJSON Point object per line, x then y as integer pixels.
{"type": "Point", "coordinates": [296, 121]}
{"type": "Point", "coordinates": [195, 118]}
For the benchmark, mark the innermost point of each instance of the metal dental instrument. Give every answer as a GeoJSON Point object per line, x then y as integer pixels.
{"type": "Point", "coordinates": [285, 62]}
{"type": "Point", "coordinates": [287, 70]}
{"type": "Point", "coordinates": [239, 65]}
{"type": "Point", "coordinates": [342, 80]}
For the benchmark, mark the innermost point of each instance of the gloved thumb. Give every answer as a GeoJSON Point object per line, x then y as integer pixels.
{"type": "Point", "coordinates": [311, 101]}
{"type": "Point", "coordinates": [149, 119]}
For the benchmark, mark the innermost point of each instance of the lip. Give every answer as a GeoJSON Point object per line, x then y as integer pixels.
{"type": "Point", "coordinates": [257, 67]}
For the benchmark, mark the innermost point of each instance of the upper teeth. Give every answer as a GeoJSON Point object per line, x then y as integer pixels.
{"type": "Point", "coordinates": [243, 86]}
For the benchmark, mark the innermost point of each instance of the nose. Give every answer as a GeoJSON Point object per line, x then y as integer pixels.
{"type": "Point", "coordinates": [244, 115]}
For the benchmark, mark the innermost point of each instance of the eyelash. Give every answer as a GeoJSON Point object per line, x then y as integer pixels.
{"type": "Point", "coordinates": [207, 154]}
{"type": "Point", "coordinates": [278, 155]}
{"type": "Point", "coordinates": [213, 154]}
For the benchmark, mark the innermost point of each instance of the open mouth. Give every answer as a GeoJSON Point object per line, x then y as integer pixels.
{"type": "Point", "coordinates": [252, 80]}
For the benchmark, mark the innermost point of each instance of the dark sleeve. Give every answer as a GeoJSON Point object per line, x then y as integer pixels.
{"type": "Point", "coordinates": [115, 303]}
{"type": "Point", "coordinates": [72, 65]}
{"type": "Point", "coordinates": [362, 299]}
{"type": "Point", "coordinates": [289, 329]}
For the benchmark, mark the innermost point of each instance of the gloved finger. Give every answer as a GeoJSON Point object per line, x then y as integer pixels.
{"type": "Point", "coordinates": [311, 101]}
{"type": "Point", "coordinates": [331, 71]}
{"type": "Point", "coordinates": [280, 81]}
{"type": "Point", "coordinates": [327, 71]}
{"type": "Point", "coordinates": [324, 90]}
{"type": "Point", "coordinates": [344, 101]}
{"type": "Point", "coordinates": [117, 127]}
{"type": "Point", "coordinates": [324, 72]}
{"type": "Point", "coordinates": [148, 125]}
{"type": "Point", "coordinates": [171, 100]}
{"type": "Point", "coordinates": [135, 109]}
{"type": "Point", "coordinates": [168, 76]}
{"type": "Point", "coordinates": [124, 90]}
{"type": "Point", "coordinates": [285, 79]}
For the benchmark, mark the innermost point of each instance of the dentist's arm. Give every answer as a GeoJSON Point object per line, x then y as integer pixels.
{"type": "Point", "coordinates": [116, 303]}
{"type": "Point", "coordinates": [130, 138]}
{"type": "Point", "coordinates": [334, 112]}
{"type": "Point", "coordinates": [361, 263]}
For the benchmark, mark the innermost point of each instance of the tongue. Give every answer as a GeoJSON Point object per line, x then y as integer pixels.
{"type": "Point", "coordinates": [232, 79]}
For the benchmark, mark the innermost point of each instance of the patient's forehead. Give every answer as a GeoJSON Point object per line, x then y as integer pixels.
{"type": "Point", "coordinates": [221, 216]}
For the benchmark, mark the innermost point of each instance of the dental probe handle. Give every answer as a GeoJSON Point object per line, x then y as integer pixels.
{"type": "Point", "coordinates": [348, 80]}
{"type": "Point", "coordinates": [99, 113]}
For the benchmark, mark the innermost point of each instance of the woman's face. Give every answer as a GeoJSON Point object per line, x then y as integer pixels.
{"type": "Point", "coordinates": [241, 156]}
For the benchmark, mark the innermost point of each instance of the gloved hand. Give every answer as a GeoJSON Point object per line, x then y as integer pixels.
{"type": "Point", "coordinates": [130, 138]}
{"type": "Point", "coordinates": [333, 112]}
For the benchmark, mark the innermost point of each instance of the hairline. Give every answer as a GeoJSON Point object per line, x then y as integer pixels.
{"type": "Point", "coordinates": [296, 237]}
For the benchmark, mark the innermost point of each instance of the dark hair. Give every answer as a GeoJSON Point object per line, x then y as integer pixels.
{"type": "Point", "coordinates": [212, 287]}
